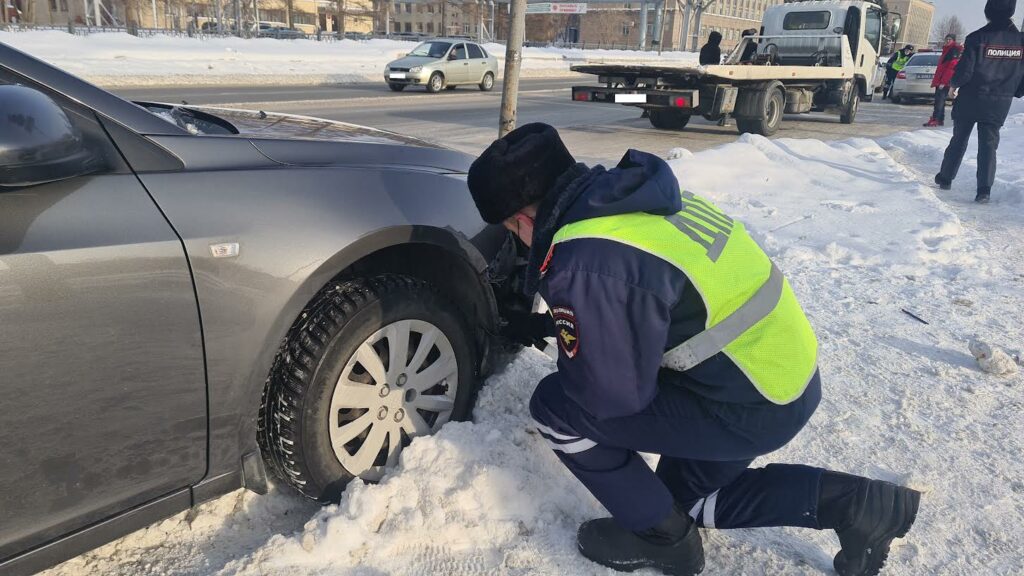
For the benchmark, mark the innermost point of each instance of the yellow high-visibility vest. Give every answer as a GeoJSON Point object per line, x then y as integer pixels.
{"type": "Point", "coordinates": [753, 315]}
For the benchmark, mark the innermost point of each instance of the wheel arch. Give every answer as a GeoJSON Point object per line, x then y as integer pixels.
{"type": "Point", "coordinates": [441, 257]}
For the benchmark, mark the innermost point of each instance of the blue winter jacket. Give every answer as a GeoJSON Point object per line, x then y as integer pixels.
{"type": "Point", "coordinates": [624, 307]}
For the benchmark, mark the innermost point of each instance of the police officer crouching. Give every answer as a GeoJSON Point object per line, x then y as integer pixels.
{"type": "Point", "coordinates": [677, 336]}
{"type": "Point", "coordinates": [989, 75]}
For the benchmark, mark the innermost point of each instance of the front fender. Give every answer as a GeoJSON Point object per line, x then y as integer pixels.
{"type": "Point", "coordinates": [296, 228]}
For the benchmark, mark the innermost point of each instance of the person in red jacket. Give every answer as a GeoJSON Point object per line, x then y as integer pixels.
{"type": "Point", "coordinates": [951, 52]}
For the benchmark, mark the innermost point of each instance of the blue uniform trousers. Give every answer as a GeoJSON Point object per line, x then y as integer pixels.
{"type": "Point", "coordinates": [706, 448]}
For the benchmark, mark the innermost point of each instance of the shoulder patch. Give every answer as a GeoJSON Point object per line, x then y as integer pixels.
{"type": "Point", "coordinates": [567, 332]}
{"type": "Point", "coordinates": [1004, 52]}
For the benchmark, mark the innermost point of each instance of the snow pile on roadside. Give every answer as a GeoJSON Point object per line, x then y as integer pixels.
{"type": "Point", "coordinates": [122, 60]}
{"type": "Point", "coordinates": [862, 240]}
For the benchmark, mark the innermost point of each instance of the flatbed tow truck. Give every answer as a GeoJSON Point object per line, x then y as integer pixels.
{"type": "Point", "coordinates": [815, 56]}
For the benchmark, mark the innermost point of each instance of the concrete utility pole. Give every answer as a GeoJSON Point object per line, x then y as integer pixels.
{"type": "Point", "coordinates": [513, 59]}
{"type": "Point", "coordinates": [643, 25]}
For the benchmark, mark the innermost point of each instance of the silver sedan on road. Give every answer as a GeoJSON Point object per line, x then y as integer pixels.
{"type": "Point", "coordinates": [915, 81]}
{"type": "Point", "coordinates": [443, 63]}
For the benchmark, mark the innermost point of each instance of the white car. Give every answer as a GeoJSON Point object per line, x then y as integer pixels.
{"type": "Point", "coordinates": [443, 63]}
{"type": "Point", "coordinates": [915, 80]}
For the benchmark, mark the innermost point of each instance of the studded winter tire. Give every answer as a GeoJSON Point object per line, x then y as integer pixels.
{"type": "Point", "coordinates": [370, 364]}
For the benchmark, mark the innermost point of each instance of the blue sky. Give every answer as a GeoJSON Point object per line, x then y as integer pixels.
{"type": "Point", "coordinates": [971, 12]}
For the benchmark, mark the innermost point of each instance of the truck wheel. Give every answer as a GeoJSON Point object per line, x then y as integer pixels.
{"type": "Point", "coordinates": [849, 113]}
{"type": "Point", "coordinates": [371, 364]}
{"type": "Point", "coordinates": [771, 103]}
{"type": "Point", "coordinates": [668, 119]}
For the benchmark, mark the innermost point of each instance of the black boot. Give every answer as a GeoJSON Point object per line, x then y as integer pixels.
{"type": "Point", "coordinates": [867, 515]}
{"type": "Point", "coordinates": [942, 182]}
{"type": "Point", "coordinates": [674, 546]}
{"type": "Point", "coordinates": [984, 194]}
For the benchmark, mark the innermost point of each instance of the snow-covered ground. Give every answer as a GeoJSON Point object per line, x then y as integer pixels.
{"type": "Point", "coordinates": [862, 236]}
{"type": "Point", "coordinates": [122, 60]}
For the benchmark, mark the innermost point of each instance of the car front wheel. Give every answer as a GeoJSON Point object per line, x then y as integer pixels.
{"type": "Point", "coordinates": [371, 364]}
{"type": "Point", "coordinates": [436, 83]}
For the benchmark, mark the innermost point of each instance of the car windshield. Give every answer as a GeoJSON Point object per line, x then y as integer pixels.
{"type": "Point", "coordinates": [432, 49]}
{"type": "Point", "coordinates": [924, 60]}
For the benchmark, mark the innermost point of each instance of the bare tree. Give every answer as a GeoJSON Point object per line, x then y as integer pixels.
{"type": "Point", "coordinates": [949, 25]}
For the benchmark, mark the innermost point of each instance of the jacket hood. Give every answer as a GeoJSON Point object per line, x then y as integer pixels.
{"type": "Point", "coordinates": [641, 182]}
{"type": "Point", "coordinates": [715, 39]}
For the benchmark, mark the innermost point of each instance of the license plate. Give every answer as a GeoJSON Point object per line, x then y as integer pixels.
{"type": "Point", "coordinates": [631, 98]}
{"type": "Point", "coordinates": [925, 76]}
{"type": "Point", "coordinates": [397, 75]}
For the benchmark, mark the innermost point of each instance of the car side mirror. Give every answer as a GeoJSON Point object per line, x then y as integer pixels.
{"type": "Point", "coordinates": [897, 24]}
{"type": "Point", "coordinates": [38, 142]}
{"type": "Point", "coordinates": [452, 56]}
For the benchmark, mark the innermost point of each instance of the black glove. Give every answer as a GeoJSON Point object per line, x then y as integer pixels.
{"type": "Point", "coordinates": [527, 328]}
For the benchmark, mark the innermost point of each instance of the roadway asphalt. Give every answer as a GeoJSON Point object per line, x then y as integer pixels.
{"type": "Point", "coordinates": [467, 119]}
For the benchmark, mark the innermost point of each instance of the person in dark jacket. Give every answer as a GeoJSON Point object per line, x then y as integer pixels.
{"type": "Point", "coordinates": [988, 77]}
{"type": "Point", "coordinates": [943, 76]}
{"type": "Point", "coordinates": [711, 53]}
{"type": "Point", "coordinates": [750, 50]}
{"type": "Point", "coordinates": [620, 310]}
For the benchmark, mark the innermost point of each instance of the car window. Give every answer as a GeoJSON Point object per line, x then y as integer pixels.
{"type": "Point", "coordinates": [924, 60]}
{"type": "Point", "coordinates": [459, 52]}
{"type": "Point", "coordinates": [431, 49]}
{"type": "Point", "coordinates": [807, 20]}
{"type": "Point", "coordinates": [475, 51]}
{"type": "Point", "coordinates": [873, 31]}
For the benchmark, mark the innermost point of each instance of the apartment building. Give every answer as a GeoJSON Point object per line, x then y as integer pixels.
{"type": "Point", "coordinates": [622, 23]}
{"type": "Point", "coordinates": [917, 21]}
{"type": "Point", "coordinates": [442, 17]}
{"type": "Point", "coordinates": [307, 15]}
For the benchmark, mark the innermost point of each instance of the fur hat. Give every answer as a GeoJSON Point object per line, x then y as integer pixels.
{"type": "Point", "coordinates": [517, 171]}
{"type": "Point", "coordinates": [1000, 9]}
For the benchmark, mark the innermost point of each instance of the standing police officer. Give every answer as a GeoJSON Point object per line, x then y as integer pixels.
{"type": "Point", "coordinates": [897, 62]}
{"type": "Point", "coordinates": [989, 75]}
{"type": "Point", "coordinates": [679, 337]}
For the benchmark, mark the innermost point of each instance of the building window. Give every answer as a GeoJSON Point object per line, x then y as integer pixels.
{"type": "Point", "coordinates": [465, 29]}
{"type": "Point", "coordinates": [430, 27]}
{"type": "Point", "coordinates": [397, 27]}
{"type": "Point", "coordinates": [408, 8]}
{"type": "Point", "coordinates": [408, 27]}
{"type": "Point", "coordinates": [398, 7]}
{"type": "Point", "coordinates": [419, 27]}
{"type": "Point", "coordinates": [430, 8]}
{"type": "Point", "coordinates": [625, 29]}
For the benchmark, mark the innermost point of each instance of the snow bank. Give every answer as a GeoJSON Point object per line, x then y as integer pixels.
{"type": "Point", "coordinates": [122, 60]}
{"type": "Point", "coordinates": [861, 238]}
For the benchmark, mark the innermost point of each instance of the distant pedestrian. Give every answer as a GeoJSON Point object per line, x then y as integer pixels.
{"type": "Point", "coordinates": [989, 75]}
{"type": "Point", "coordinates": [951, 52]}
{"type": "Point", "coordinates": [750, 50]}
{"type": "Point", "coordinates": [711, 53]}
{"type": "Point", "coordinates": [897, 62]}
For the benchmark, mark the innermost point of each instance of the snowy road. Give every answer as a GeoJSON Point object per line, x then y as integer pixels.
{"type": "Point", "coordinates": [467, 119]}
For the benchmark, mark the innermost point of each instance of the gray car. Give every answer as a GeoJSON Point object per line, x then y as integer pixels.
{"type": "Point", "coordinates": [915, 80]}
{"type": "Point", "coordinates": [190, 296]}
{"type": "Point", "coordinates": [443, 63]}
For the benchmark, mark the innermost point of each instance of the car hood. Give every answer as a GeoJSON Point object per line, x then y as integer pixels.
{"type": "Point", "coordinates": [258, 124]}
{"type": "Point", "coordinates": [412, 61]}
